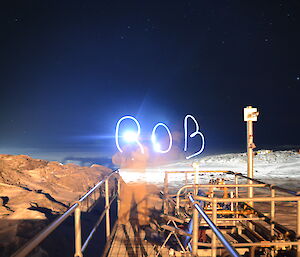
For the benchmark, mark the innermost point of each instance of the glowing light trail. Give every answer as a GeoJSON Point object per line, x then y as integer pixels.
{"type": "Point", "coordinates": [155, 143]}
{"type": "Point", "coordinates": [197, 132]}
{"type": "Point", "coordinates": [129, 136]}
{"type": "Point", "coordinates": [133, 137]}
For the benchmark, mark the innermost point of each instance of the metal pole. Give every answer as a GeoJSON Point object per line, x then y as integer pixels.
{"type": "Point", "coordinates": [195, 181]}
{"type": "Point", "coordinates": [252, 251]}
{"type": "Point", "coordinates": [196, 178]}
{"type": "Point", "coordinates": [272, 213]}
{"type": "Point", "coordinates": [214, 228]}
{"type": "Point", "coordinates": [166, 192]}
{"type": "Point", "coordinates": [186, 182]}
{"type": "Point", "coordinates": [119, 193]}
{"type": "Point", "coordinates": [236, 181]}
{"type": "Point", "coordinates": [231, 204]}
{"type": "Point", "coordinates": [195, 231]}
{"type": "Point", "coordinates": [214, 237]}
{"type": "Point", "coordinates": [250, 115]}
{"type": "Point", "coordinates": [250, 157]}
{"type": "Point", "coordinates": [87, 204]}
{"type": "Point", "coordinates": [107, 207]}
{"type": "Point", "coordinates": [272, 219]}
{"type": "Point", "coordinates": [78, 252]}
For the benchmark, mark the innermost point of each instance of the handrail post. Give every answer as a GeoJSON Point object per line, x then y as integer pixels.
{"type": "Point", "coordinates": [236, 181]}
{"type": "Point", "coordinates": [78, 252]}
{"type": "Point", "coordinates": [195, 231]}
{"type": "Point", "coordinates": [196, 182]}
{"type": "Point", "coordinates": [186, 178]}
{"type": "Point", "coordinates": [76, 208]}
{"type": "Point", "coordinates": [214, 228]}
{"type": "Point", "coordinates": [166, 192]}
{"type": "Point", "coordinates": [250, 158]}
{"type": "Point", "coordinates": [107, 208]}
{"type": "Point", "coordinates": [214, 237]}
{"type": "Point", "coordinates": [272, 212]}
{"type": "Point", "coordinates": [272, 218]}
{"type": "Point", "coordinates": [119, 193]}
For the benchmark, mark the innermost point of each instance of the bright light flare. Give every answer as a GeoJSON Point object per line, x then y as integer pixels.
{"type": "Point", "coordinates": [130, 136]}
{"type": "Point", "coordinates": [156, 145]}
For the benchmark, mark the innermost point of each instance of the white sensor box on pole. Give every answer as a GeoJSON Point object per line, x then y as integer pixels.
{"type": "Point", "coordinates": [250, 114]}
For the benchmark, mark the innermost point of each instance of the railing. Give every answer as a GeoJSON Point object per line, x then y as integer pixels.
{"type": "Point", "coordinates": [76, 209]}
{"type": "Point", "coordinates": [234, 200]}
{"type": "Point", "coordinates": [214, 228]}
{"type": "Point", "coordinates": [267, 185]}
{"type": "Point", "coordinates": [215, 201]}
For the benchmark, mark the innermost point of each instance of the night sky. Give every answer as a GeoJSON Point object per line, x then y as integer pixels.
{"type": "Point", "coordinates": [71, 69]}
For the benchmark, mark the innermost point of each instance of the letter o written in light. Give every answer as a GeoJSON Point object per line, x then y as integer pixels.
{"type": "Point", "coordinates": [156, 145]}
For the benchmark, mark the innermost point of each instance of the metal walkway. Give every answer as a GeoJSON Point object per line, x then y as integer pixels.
{"type": "Point", "coordinates": [129, 241]}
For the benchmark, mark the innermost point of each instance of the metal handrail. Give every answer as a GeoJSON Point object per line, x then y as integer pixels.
{"type": "Point", "coordinates": [252, 183]}
{"type": "Point", "coordinates": [215, 229]}
{"type": "Point", "coordinates": [267, 185]}
{"type": "Point", "coordinates": [259, 184]}
{"type": "Point", "coordinates": [212, 186]}
{"type": "Point", "coordinates": [28, 247]}
{"type": "Point", "coordinates": [240, 175]}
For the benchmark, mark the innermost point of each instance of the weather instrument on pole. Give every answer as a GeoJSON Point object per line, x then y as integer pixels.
{"type": "Point", "coordinates": [250, 115]}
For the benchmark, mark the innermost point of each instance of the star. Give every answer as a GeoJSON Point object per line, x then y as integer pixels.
{"type": "Point", "coordinates": [298, 78]}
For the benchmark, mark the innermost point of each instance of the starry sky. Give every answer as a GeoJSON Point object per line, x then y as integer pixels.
{"type": "Point", "coordinates": [71, 69]}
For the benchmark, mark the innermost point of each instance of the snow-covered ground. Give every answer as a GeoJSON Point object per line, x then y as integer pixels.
{"type": "Point", "coordinates": [280, 167]}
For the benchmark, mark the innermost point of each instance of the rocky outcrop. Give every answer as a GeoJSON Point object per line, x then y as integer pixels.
{"type": "Point", "coordinates": [33, 192]}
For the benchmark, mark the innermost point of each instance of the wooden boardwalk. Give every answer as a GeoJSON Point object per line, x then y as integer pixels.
{"type": "Point", "coordinates": [129, 241]}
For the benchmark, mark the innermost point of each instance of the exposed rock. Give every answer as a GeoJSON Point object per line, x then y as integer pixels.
{"type": "Point", "coordinates": [33, 192]}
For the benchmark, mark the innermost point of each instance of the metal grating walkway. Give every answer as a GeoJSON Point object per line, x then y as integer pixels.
{"type": "Point", "coordinates": [129, 241]}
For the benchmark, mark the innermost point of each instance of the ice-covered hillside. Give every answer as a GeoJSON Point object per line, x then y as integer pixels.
{"type": "Point", "coordinates": [280, 167]}
{"type": "Point", "coordinates": [275, 164]}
